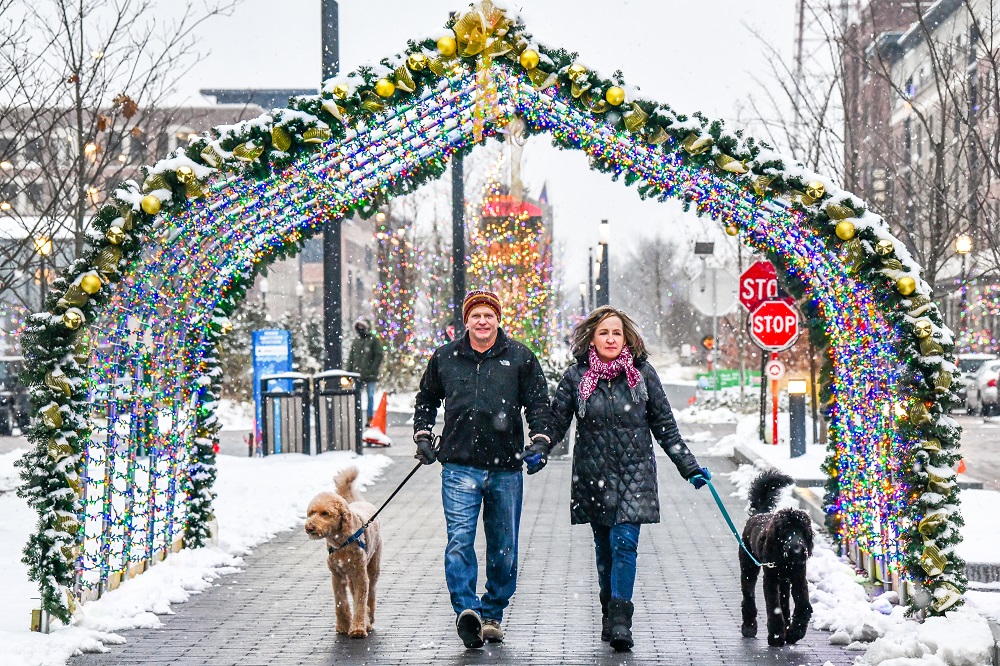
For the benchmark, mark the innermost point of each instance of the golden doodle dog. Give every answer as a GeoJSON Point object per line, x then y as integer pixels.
{"type": "Point", "coordinates": [355, 566]}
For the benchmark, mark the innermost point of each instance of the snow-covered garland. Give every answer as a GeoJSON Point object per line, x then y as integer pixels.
{"type": "Point", "coordinates": [57, 347]}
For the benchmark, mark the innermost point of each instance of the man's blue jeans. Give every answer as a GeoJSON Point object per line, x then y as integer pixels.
{"type": "Point", "coordinates": [463, 490]}
{"type": "Point", "coordinates": [370, 391]}
{"type": "Point", "coordinates": [616, 554]}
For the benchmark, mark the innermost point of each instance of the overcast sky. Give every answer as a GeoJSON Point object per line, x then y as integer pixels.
{"type": "Point", "coordinates": [694, 55]}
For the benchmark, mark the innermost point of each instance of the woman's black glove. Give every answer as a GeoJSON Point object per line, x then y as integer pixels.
{"type": "Point", "coordinates": [425, 448]}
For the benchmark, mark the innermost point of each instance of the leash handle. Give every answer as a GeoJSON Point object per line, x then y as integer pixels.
{"type": "Point", "coordinates": [732, 527]}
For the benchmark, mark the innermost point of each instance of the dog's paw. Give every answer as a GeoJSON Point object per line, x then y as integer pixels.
{"type": "Point", "coordinates": [775, 641]}
{"type": "Point", "coordinates": [342, 628]}
{"type": "Point", "coordinates": [358, 632]}
{"type": "Point", "coordinates": [749, 630]}
{"type": "Point", "coordinates": [795, 635]}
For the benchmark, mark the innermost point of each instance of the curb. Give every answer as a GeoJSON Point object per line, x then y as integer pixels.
{"type": "Point", "coordinates": [812, 504]}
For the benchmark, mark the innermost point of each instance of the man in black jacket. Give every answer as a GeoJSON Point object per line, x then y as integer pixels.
{"type": "Point", "coordinates": [484, 379]}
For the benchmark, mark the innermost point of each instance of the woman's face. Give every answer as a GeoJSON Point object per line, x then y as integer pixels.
{"type": "Point", "coordinates": [609, 338]}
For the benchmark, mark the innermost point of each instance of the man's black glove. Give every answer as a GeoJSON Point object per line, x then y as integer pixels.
{"type": "Point", "coordinates": [536, 455]}
{"type": "Point", "coordinates": [425, 449]}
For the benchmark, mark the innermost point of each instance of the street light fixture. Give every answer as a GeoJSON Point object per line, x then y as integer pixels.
{"type": "Point", "coordinates": [300, 291]}
{"type": "Point", "coordinates": [264, 287]}
{"type": "Point", "coordinates": [603, 275]}
{"type": "Point", "coordinates": [43, 246]}
{"type": "Point", "coordinates": [963, 245]}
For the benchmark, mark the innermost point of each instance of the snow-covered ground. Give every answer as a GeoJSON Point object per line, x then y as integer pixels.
{"type": "Point", "coordinates": [235, 415]}
{"type": "Point", "coordinates": [257, 498]}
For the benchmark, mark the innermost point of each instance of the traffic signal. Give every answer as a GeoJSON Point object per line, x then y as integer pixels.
{"type": "Point", "coordinates": [708, 342]}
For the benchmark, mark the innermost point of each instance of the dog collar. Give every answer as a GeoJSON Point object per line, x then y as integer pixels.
{"type": "Point", "coordinates": [354, 538]}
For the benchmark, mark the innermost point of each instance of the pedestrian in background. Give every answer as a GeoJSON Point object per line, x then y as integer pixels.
{"type": "Point", "coordinates": [485, 380]}
{"type": "Point", "coordinates": [620, 408]}
{"type": "Point", "coordinates": [366, 360]}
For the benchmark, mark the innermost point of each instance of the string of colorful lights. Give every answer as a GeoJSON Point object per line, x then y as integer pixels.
{"type": "Point", "coordinates": [124, 365]}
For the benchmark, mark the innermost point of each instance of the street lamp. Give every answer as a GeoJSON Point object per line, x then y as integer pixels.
{"type": "Point", "coordinates": [43, 246]}
{"type": "Point", "coordinates": [603, 276]}
{"type": "Point", "coordinates": [583, 299]}
{"type": "Point", "coordinates": [703, 250]}
{"type": "Point", "coordinates": [264, 287]}
{"type": "Point", "coordinates": [300, 291]}
{"type": "Point", "coordinates": [963, 245]}
{"type": "Point", "coordinates": [590, 277]}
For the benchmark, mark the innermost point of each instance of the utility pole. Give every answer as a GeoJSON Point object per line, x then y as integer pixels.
{"type": "Point", "coordinates": [603, 276]}
{"type": "Point", "coordinates": [333, 322]}
{"type": "Point", "coordinates": [457, 241]}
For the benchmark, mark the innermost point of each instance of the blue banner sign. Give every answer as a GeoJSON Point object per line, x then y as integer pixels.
{"type": "Point", "coordinates": [272, 353]}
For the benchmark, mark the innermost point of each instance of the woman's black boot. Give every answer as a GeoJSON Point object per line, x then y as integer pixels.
{"type": "Point", "coordinates": [605, 620]}
{"type": "Point", "coordinates": [620, 614]}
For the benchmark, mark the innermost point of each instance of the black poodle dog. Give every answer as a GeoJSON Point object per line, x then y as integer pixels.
{"type": "Point", "coordinates": [782, 541]}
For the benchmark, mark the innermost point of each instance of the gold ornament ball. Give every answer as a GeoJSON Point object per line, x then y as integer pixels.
{"type": "Point", "coordinates": [417, 62]}
{"type": "Point", "coordinates": [185, 174]}
{"type": "Point", "coordinates": [815, 190]}
{"type": "Point", "coordinates": [340, 90]}
{"type": "Point", "coordinates": [922, 328]}
{"type": "Point", "coordinates": [447, 46]}
{"type": "Point", "coordinates": [845, 230]}
{"type": "Point", "coordinates": [115, 235]}
{"type": "Point", "coordinates": [91, 284]}
{"type": "Point", "coordinates": [73, 318]}
{"type": "Point", "coordinates": [906, 285]}
{"type": "Point", "coordinates": [615, 96]}
{"type": "Point", "coordinates": [732, 230]}
{"type": "Point", "coordinates": [529, 59]}
{"type": "Point", "coordinates": [576, 71]}
{"type": "Point", "coordinates": [883, 248]}
{"type": "Point", "coordinates": [150, 204]}
{"type": "Point", "coordinates": [384, 88]}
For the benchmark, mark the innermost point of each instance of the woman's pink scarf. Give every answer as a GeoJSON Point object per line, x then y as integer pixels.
{"type": "Point", "coordinates": [609, 370]}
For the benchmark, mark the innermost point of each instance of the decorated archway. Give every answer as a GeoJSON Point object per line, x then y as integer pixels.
{"type": "Point", "coordinates": [123, 363]}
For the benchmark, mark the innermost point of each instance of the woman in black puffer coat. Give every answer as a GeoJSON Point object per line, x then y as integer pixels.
{"type": "Point", "coordinates": [620, 408]}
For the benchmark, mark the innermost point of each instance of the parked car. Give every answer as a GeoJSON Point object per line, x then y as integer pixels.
{"type": "Point", "coordinates": [968, 364]}
{"type": "Point", "coordinates": [981, 393]}
{"type": "Point", "coordinates": [14, 405]}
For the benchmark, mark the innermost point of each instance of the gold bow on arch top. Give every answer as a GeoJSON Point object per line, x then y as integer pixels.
{"type": "Point", "coordinates": [484, 32]}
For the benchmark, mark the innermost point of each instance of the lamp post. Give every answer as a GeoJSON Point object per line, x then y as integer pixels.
{"type": "Point", "coordinates": [333, 315]}
{"type": "Point", "coordinates": [43, 246]}
{"type": "Point", "coordinates": [603, 277]}
{"type": "Point", "coordinates": [264, 287]}
{"type": "Point", "coordinates": [300, 292]}
{"type": "Point", "coordinates": [590, 278]}
{"type": "Point", "coordinates": [583, 299]}
{"type": "Point", "coordinates": [963, 245]}
{"type": "Point", "coordinates": [703, 250]}
{"type": "Point", "coordinates": [796, 417]}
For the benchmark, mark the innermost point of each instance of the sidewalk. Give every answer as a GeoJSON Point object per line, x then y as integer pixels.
{"type": "Point", "coordinates": [279, 610]}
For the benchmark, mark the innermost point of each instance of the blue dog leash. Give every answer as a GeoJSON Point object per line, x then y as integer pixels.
{"type": "Point", "coordinates": [732, 527]}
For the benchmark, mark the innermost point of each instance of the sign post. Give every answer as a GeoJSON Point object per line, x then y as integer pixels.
{"type": "Point", "coordinates": [774, 325]}
{"type": "Point", "coordinates": [272, 353]}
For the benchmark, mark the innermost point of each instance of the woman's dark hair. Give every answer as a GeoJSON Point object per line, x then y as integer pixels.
{"type": "Point", "coordinates": [583, 334]}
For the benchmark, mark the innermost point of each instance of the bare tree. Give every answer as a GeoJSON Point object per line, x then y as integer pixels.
{"type": "Point", "coordinates": [85, 85]}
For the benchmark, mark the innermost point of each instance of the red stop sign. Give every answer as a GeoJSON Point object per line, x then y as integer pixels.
{"type": "Point", "coordinates": [774, 325]}
{"type": "Point", "coordinates": [758, 283]}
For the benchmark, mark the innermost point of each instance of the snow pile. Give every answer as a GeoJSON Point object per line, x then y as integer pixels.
{"type": "Point", "coordinates": [704, 415]}
{"type": "Point", "coordinates": [235, 415]}
{"type": "Point", "coordinates": [257, 498]}
{"type": "Point", "coordinates": [961, 638]}
{"type": "Point", "coordinates": [375, 437]}
{"type": "Point", "coordinates": [745, 435]}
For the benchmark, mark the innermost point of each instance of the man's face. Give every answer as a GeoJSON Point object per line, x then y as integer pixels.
{"type": "Point", "coordinates": [483, 324]}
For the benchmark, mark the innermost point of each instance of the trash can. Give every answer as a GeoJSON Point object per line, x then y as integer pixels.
{"type": "Point", "coordinates": [337, 406]}
{"type": "Point", "coordinates": [285, 406]}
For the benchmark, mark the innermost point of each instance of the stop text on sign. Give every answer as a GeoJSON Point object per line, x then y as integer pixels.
{"type": "Point", "coordinates": [774, 325]}
{"type": "Point", "coordinates": [758, 283]}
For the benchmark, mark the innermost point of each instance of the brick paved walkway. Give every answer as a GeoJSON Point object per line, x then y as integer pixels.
{"type": "Point", "coordinates": [280, 611]}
